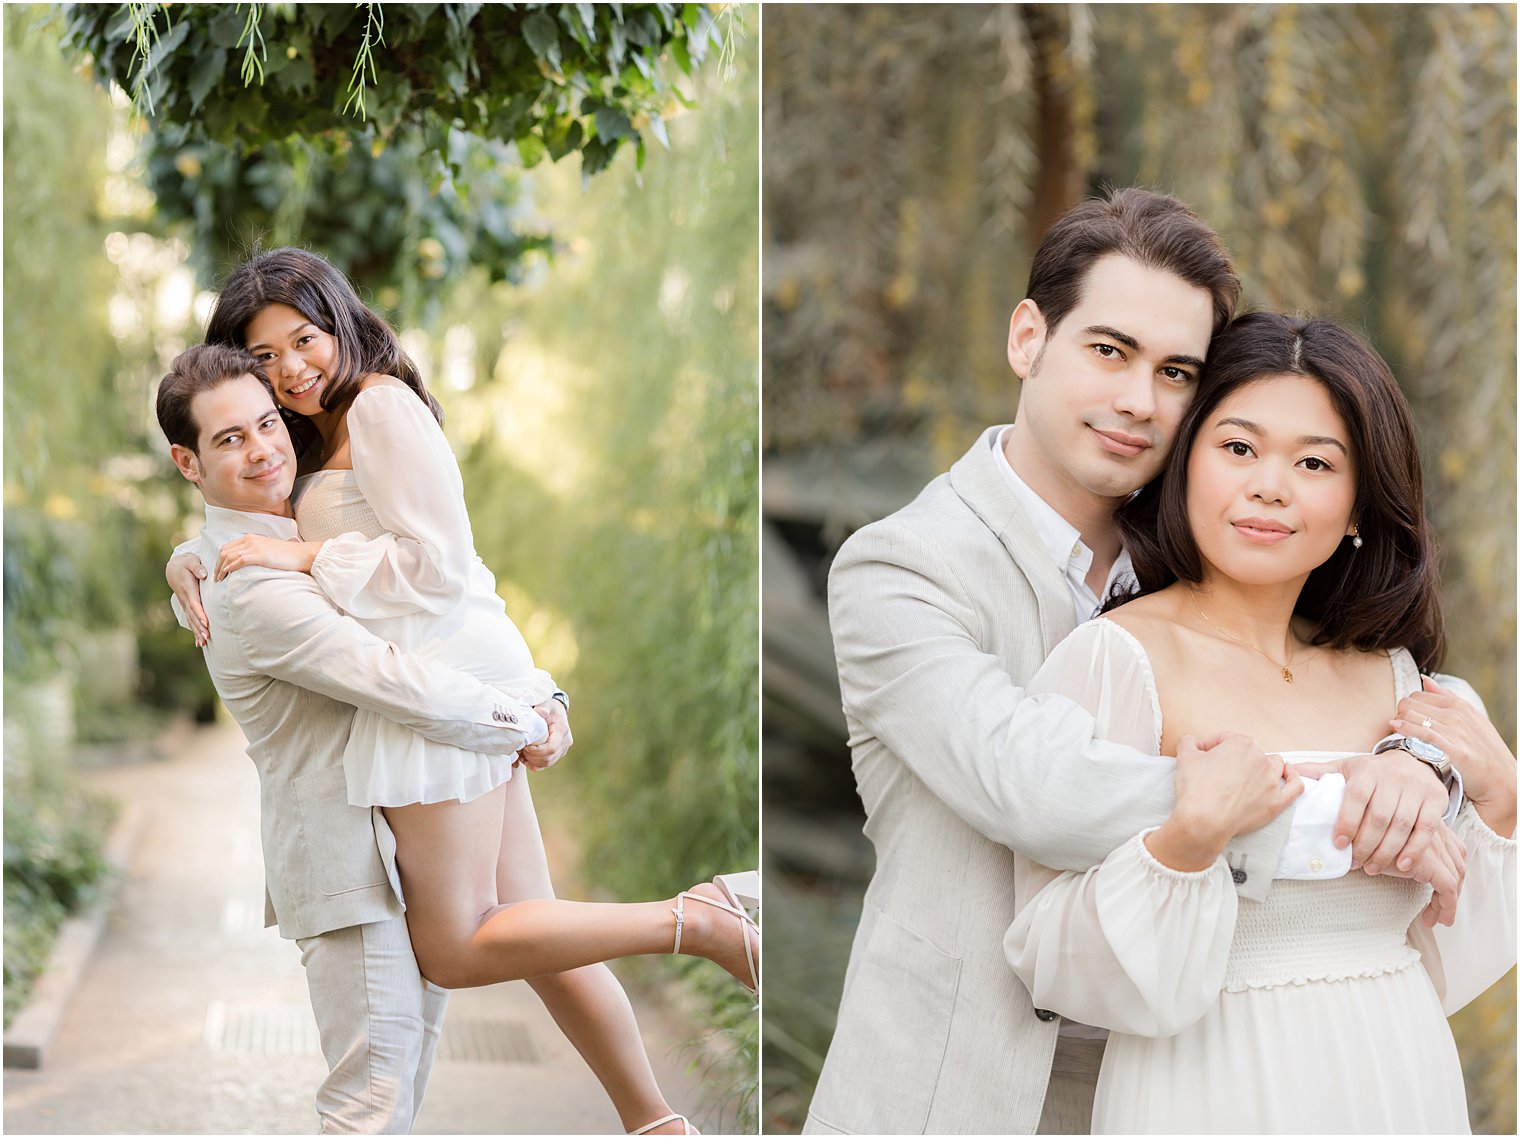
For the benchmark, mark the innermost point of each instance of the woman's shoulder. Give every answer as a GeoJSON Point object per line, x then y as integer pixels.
{"type": "Point", "coordinates": [1150, 620]}
{"type": "Point", "coordinates": [382, 398]}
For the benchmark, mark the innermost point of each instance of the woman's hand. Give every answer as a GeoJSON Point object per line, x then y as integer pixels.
{"type": "Point", "coordinates": [1471, 743]}
{"type": "Point", "coordinates": [185, 574]}
{"type": "Point", "coordinates": [270, 552]}
{"type": "Point", "coordinates": [1225, 786]}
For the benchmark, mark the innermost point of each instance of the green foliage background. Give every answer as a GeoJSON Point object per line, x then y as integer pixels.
{"type": "Point", "coordinates": [1360, 162]}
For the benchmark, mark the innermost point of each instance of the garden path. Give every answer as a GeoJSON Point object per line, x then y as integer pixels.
{"type": "Point", "coordinates": [193, 1018]}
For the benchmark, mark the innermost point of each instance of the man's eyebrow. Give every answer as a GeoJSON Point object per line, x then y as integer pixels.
{"type": "Point", "coordinates": [1134, 345]}
{"type": "Point", "coordinates": [1303, 440]}
{"type": "Point", "coordinates": [1113, 334]}
{"type": "Point", "coordinates": [238, 428]}
{"type": "Point", "coordinates": [293, 331]}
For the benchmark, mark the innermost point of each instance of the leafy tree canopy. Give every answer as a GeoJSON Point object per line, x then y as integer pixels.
{"type": "Point", "coordinates": [387, 134]}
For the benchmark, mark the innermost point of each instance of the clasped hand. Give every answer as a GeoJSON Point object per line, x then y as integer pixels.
{"type": "Point", "coordinates": [1393, 819]}
{"type": "Point", "coordinates": [552, 747]}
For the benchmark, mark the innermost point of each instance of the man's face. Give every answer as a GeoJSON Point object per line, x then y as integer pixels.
{"type": "Point", "coordinates": [245, 460]}
{"type": "Point", "coordinates": [1105, 390]}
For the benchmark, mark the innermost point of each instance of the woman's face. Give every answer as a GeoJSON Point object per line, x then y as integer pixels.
{"type": "Point", "coordinates": [297, 355]}
{"type": "Point", "coordinates": [1271, 482]}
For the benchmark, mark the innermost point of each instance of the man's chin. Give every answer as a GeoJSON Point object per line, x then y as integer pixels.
{"type": "Point", "coordinates": [1119, 484]}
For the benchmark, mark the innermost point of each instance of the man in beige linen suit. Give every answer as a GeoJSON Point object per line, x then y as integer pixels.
{"type": "Point", "coordinates": [943, 611]}
{"type": "Point", "coordinates": [291, 669]}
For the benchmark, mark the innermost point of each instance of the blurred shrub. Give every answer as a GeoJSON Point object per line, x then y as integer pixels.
{"type": "Point", "coordinates": [54, 834]}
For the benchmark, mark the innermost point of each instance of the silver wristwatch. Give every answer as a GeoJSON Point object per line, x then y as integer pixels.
{"type": "Point", "coordinates": [1427, 753]}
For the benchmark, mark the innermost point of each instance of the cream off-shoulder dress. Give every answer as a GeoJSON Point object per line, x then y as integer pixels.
{"type": "Point", "coordinates": [1321, 1009]}
{"type": "Point", "coordinates": [399, 556]}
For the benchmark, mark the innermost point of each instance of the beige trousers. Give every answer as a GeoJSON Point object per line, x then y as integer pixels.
{"type": "Point", "coordinates": [379, 1021]}
{"type": "Point", "coordinates": [1073, 1079]}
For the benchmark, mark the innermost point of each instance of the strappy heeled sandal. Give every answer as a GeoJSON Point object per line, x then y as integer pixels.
{"type": "Point", "coordinates": [648, 1126]}
{"type": "Point", "coordinates": [741, 889]}
{"type": "Point", "coordinates": [730, 906]}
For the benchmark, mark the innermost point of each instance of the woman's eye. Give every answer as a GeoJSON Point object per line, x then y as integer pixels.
{"type": "Point", "coordinates": [1238, 449]}
{"type": "Point", "coordinates": [1312, 463]}
{"type": "Point", "coordinates": [303, 341]}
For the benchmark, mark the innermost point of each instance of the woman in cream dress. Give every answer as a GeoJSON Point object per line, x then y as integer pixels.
{"type": "Point", "coordinates": [1286, 591]}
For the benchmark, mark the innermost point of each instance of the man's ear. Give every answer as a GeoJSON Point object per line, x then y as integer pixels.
{"type": "Point", "coordinates": [189, 465]}
{"type": "Point", "coordinates": [1026, 337]}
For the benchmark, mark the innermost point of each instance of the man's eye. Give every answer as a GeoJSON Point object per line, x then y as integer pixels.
{"type": "Point", "coordinates": [1107, 351]}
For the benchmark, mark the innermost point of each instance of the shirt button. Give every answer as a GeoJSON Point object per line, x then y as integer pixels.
{"type": "Point", "coordinates": [1316, 864]}
{"type": "Point", "coordinates": [1238, 876]}
{"type": "Point", "coordinates": [1044, 1016]}
{"type": "Point", "coordinates": [1076, 551]}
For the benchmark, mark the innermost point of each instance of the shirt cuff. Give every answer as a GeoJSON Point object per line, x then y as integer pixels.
{"type": "Point", "coordinates": [1309, 853]}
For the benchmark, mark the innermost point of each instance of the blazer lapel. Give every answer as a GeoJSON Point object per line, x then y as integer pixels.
{"type": "Point", "coordinates": [977, 480]}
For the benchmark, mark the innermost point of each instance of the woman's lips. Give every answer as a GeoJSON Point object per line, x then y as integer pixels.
{"type": "Point", "coordinates": [1264, 533]}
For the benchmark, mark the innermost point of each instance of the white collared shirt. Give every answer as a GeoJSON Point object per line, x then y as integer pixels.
{"type": "Point", "coordinates": [1062, 540]}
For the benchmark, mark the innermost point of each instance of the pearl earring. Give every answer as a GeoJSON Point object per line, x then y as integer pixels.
{"type": "Point", "coordinates": [1356, 538]}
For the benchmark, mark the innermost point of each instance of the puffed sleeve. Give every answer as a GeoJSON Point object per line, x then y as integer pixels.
{"type": "Point", "coordinates": [1131, 945]}
{"type": "Point", "coordinates": [407, 474]}
{"type": "Point", "coordinates": [1466, 959]}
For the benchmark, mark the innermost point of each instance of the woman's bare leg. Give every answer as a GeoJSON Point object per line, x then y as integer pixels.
{"type": "Point", "coordinates": [447, 854]}
{"type": "Point", "coordinates": [588, 1004]}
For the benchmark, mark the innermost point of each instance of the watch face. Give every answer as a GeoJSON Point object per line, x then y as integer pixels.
{"type": "Point", "coordinates": [1423, 750]}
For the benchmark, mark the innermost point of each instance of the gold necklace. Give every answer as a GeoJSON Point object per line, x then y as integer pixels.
{"type": "Point", "coordinates": [1287, 673]}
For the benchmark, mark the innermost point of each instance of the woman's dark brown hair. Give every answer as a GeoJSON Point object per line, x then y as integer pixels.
{"type": "Point", "coordinates": [314, 288]}
{"type": "Point", "coordinates": [1383, 595]}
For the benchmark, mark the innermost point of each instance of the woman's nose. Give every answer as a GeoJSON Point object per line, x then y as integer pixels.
{"type": "Point", "coordinates": [1269, 483]}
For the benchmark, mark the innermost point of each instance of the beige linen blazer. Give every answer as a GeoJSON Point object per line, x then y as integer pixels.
{"type": "Point", "coordinates": [291, 669]}
{"type": "Point", "coordinates": [940, 614]}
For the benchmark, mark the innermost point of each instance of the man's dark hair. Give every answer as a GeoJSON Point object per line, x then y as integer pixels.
{"type": "Point", "coordinates": [193, 371]}
{"type": "Point", "coordinates": [1152, 229]}
{"type": "Point", "coordinates": [1382, 595]}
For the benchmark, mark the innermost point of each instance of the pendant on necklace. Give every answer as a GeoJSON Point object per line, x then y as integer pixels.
{"type": "Point", "coordinates": [1287, 675]}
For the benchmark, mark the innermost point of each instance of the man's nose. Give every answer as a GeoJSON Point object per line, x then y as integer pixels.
{"type": "Point", "coordinates": [1136, 396]}
{"type": "Point", "coordinates": [259, 449]}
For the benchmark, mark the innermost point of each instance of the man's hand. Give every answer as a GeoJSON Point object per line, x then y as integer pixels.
{"type": "Point", "coordinates": [1225, 786]}
{"type": "Point", "coordinates": [544, 754]}
{"type": "Point", "coordinates": [1392, 817]}
{"type": "Point", "coordinates": [185, 574]}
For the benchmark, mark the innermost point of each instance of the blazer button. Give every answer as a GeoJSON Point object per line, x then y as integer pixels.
{"type": "Point", "coordinates": [1044, 1016]}
{"type": "Point", "coordinates": [1238, 876]}
{"type": "Point", "coordinates": [509, 717]}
